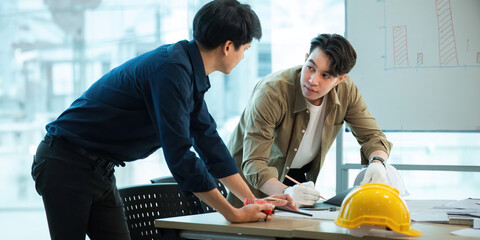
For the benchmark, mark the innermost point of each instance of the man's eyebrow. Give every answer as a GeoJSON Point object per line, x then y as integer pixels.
{"type": "Point", "coordinates": [310, 60]}
{"type": "Point", "coordinates": [327, 72]}
{"type": "Point", "coordinates": [330, 74]}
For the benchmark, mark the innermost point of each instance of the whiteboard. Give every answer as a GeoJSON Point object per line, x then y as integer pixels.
{"type": "Point", "coordinates": [418, 62]}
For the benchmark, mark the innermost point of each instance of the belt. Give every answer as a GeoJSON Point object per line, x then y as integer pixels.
{"type": "Point", "coordinates": [106, 165]}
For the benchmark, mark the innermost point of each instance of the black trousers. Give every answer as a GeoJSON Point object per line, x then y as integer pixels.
{"type": "Point", "coordinates": [79, 193]}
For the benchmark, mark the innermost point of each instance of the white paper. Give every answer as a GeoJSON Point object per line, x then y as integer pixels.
{"type": "Point", "coordinates": [439, 214]}
{"type": "Point", "coordinates": [476, 223]}
{"type": "Point", "coordinates": [472, 204]}
{"type": "Point", "coordinates": [467, 232]}
{"type": "Point", "coordinates": [430, 215]}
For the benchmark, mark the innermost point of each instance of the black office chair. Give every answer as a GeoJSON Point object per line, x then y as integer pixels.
{"type": "Point", "coordinates": [206, 208]}
{"type": "Point", "coordinates": [145, 203]}
{"type": "Point", "coordinates": [165, 179]}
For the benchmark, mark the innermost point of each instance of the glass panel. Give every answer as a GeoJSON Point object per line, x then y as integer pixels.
{"type": "Point", "coordinates": [429, 148]}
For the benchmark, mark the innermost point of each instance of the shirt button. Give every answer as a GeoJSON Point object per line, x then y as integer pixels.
{"type": "Point", "coordinates": [308, 111]}
{"type": "Point", "coordinates": [295, 149]}
{"type": "Point", "coordinates": [287, 167]}
{"type": "Point", "coordinates": [303, 130]}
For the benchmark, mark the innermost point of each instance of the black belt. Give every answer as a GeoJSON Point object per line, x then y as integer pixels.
{"type": "Point", "coordinates": [106, 165]}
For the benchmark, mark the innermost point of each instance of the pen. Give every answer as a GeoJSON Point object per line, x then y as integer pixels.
{"type": "Point", "coordinates": [297, 182]}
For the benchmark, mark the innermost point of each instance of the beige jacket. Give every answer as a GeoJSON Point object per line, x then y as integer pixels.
{"type": "Point", "coordinates": [270, 129]}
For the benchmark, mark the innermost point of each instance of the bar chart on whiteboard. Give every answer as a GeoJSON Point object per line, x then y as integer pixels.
{"type": "Point", "coordinates": [418, 64]}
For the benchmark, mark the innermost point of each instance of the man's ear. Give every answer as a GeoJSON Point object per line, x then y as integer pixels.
{"type": "Point", "coordinates": [227, 47]}
{"type": "Point", "coordinates": [341, 78]}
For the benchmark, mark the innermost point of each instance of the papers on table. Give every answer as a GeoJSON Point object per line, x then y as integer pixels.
{"type": "Point", "coordinates": [468, 203]}
{"type": "Point", "coordinates": [467, 232]}
{"type": "Point", "coordinates": [463, 217]}
{"type": "Point", "coordinates": [463, 209]}
{"type": "Point", "coordinates": [430, 215]}
{"type": "Point", "coordinates": [464, 212]}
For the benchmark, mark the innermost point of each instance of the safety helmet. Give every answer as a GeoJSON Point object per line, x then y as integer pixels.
{"type": "Point", "coordinates": [376, 204]}
{"type": "Point", "coordinates": [393, 177]}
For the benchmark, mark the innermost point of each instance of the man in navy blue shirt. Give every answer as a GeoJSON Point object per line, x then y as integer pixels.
{"type": "Point", "coordinates": [155, 100]}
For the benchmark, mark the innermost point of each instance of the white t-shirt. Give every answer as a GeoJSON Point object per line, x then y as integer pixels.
{"type": "Point", "coordinates": [311, 141]}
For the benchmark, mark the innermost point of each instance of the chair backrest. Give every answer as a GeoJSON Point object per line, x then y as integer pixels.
{"type": "Point", "coordinates": [206, 208]}
{"type": "Point", "coordinates": [164, 179]}
{"type": "Point", "coordinates": [145, 203]}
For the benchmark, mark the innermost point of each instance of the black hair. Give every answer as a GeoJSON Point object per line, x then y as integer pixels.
{"type": "Point", "coordinates": [222, 20]}
{"type": "Point", "coordinates": [339, 50]}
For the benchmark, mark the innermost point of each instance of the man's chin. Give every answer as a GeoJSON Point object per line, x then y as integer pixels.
{"type": "Point", "coordinates": [310, 97]}
{"type": "Point", "coordinates": [226, 71]}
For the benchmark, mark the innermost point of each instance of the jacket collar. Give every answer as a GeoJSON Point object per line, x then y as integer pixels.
{"type": "Point", "coordinates": [202, 81]}
{"type": "Point", "coordinates": [300, 104]}
{"type": "Point", "coordinates": [332, 97]}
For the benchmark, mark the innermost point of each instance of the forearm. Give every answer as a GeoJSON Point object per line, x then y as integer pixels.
{"type": "Point", "coordinates": [216, 200]}
{"type": "Point", "coordinates": [237, 186]}
{"type": "Point", "coordinates": [272, 187]}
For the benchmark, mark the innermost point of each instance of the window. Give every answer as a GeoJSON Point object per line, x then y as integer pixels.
{"type": "Point", "coordinates": [50, 54]}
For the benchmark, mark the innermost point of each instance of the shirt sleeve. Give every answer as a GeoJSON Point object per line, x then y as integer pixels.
{"type": "Point", "coordinates": [261, 117]}
{"type": "Point", "coordinates": [209, 145]}
{"type": "Point", "coordinates": [170, 102]}
{"type": "Point", "coordinates": [364, 127]}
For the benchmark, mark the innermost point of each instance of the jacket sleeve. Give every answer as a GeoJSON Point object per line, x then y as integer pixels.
{"type": "Point", "coordinates": [364, 127]}
{"type": "Point", "coordinates": [261, 116]}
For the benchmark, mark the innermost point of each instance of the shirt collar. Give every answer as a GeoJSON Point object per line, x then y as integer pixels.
{"type": "Point", "coordinates": [300, 104]}
{"type": "Point", "coordinates": [333, 95]}
{"type": "Point", "coordinates": [202, 81]}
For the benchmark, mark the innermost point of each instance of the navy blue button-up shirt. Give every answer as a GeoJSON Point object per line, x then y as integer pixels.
{"type": "Point", "coordinates": [151, 101]}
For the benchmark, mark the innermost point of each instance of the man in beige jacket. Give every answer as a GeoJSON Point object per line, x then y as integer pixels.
{"type": "Point", "coordinates": [293, 118]}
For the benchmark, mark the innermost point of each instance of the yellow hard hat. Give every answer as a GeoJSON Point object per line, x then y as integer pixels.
{"type": "Point", "coordinates": [376, 204]}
